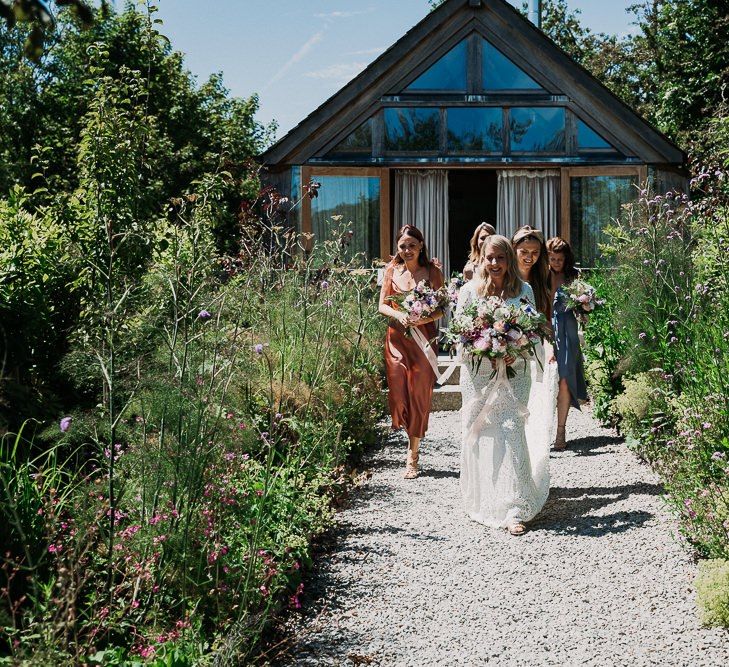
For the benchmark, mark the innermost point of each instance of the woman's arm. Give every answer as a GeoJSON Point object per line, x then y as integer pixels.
{"type": "Point", "coordinates": [384, 308]}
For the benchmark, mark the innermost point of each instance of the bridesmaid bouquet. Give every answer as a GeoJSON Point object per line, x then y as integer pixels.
{"type": "Point", "coordinates": [422, 301]}
{"type": "Point", "coordinates": [454, 286]}
{"type": "Point", "coordinates": [490, 328]}
{"type": "Point", "coordinates": [581, 299]}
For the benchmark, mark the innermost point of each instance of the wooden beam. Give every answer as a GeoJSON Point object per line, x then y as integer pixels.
{"type": "Point", "coordinates": [564, 195]}
{"type": "Point", "coordinates": [385, 220]}
{"type": "Point", "coordinates": [306, 227]}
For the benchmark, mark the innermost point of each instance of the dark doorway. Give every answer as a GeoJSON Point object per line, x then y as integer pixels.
{"type": "Point", "coordinates": [471, 200]}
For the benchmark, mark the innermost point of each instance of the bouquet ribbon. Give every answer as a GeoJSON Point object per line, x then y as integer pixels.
{"type": "Point", "coordinates": [493, 392]}
{"type": "Point", "coordinates": [424, 345]}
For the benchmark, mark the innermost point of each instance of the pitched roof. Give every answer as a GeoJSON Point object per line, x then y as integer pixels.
{"type": "Point", "coordinates": [511, 33]}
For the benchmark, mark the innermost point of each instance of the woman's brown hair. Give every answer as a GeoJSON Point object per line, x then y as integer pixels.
{"type": "Point", "coordinates": [558, 245]}
{"type": "Point", "coordinates": [512, 281]}
{"type": "Point", "coordinates": [539, 273]}
{"type": "Point", "coordinates": [473, 256]}
{"type": "Point", "coordinates": [411, 230]}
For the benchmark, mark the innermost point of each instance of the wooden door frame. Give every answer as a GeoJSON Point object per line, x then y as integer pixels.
{"type": "Point", "coordinates": [309, 172]}
{"type": "Point", "coordinates": [639, 171]}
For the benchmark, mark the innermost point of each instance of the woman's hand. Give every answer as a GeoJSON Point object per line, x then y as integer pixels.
{"type": "Point", "coordinates": [508, 360]}
{"type": "Point", "coordinates": [403, 318]}
{"type": "Point", "coordinates": [552, 359]}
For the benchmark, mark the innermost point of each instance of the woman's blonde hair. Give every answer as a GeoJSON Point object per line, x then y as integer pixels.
{"type": "Point", "coordinates": [473, 256]}
{"type": "Point", "coordinates": [512, 282]}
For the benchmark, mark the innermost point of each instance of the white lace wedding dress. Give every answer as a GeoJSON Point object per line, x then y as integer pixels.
{"type": "Point", "coordinates": [504, 447]}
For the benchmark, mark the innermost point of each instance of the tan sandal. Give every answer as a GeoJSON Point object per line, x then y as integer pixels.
{"type": "Point", "coordinates": [411, 466]}
{"type": "Point", "coordinates": [560, 443]}
{"type": "Point", "coordinates": [517, 528]}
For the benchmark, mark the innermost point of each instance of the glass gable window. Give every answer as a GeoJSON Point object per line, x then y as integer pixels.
{"type": "Point", "coordinates": [357, 200]}
{"type": "Point", "coordinates": [537, 130]}
{"type": "Point", "coordinates": [411, 129]}
{"type": "Point", "coordinates": [588, 139]}
{"type": "Point", "coordinates": [360, 141]}
{"type": "Point", "coordinates": [448, 73]}
{"type": "Point", "coordinates": [475, 129]}
{"type": "Point", "coordinates": [594, 202]}
{"type": "Point", "coordinates": [499, 73]}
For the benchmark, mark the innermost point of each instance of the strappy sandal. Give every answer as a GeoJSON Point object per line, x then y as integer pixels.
{"type": "Point", "coordinates": [411, 466]}
{"type": "Point", "coordinates": [560, 443]}
{"type": "Point", "coordinates": [517, 528]}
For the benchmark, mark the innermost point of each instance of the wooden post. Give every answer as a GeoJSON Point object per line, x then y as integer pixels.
{"type": "Point", "coordinates": [385, 222]}
{"type": "Point", "coordinates": [564, 194]}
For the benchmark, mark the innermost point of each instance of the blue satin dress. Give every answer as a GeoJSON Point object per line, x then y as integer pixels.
{"type": "Point", "coordinates": [567, 347]}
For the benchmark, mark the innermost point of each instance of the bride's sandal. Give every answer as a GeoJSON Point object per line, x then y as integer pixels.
{"type": "Point", "coordinates": [517, 528]}
{"type": "Point", "coordinates": [411, 467]}
{"type": "Point", "coordinates": [560, 443]}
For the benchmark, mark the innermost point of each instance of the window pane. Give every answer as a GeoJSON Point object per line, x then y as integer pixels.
{"type": "Point", "coordinates": [588, 138]}
{"type": "Point", "coordinates": [499, 73]}
{"type": "Point", "coordinates": [412, 129]}
{"type": "Point", "coordinates": [448, 73]}
{"type": "Point", "coordinates": [475, 129]}
{"type": "Point", "coordinates": [537, 129]}
{"type": "Point", "coordinates": [357, 200]}
{"type": "Point", "coordinates": [360, 141]}
{"type": "Point", "coordinates": [594, 202]}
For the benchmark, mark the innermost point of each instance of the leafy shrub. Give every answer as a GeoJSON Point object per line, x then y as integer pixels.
{"type": "Point", "coordinates": [712, 592]}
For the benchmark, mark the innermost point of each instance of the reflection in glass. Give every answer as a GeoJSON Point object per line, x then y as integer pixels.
{"type": "Point", "coordinates": [537, 129]}
{"type": "Point", "coordinates": [499, 73]}
{"type": "Point", "coordinates": [357, 200]}
{"type": "Point", "coordinates": [588, 138]}
{"type": "Point", "coordinates": [594, 202]}
{"type": "Point", "coordinates": [448, 73]}
{"type": "Point", "coordinates": [475, 129]}
{"type": "Point", "coordinates": [408, 129]}
{"type": "Point", "coordinates": [360, 141]}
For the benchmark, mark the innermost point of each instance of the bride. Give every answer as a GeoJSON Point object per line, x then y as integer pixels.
{"type": "Point", "coordinates": [504, 477]}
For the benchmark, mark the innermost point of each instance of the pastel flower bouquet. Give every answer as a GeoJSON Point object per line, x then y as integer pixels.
{"type": "Point", "coordinates": [422, 301]}
{"type": "Point", "coordinates": [581, 299]}
{"type": "Point", "coordinates": [454, 286]}
{"type": "Point", "coordinates": [492, 329]}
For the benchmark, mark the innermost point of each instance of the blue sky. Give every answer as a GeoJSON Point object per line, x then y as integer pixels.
{"type": "Point", "coordinates": [297, 53]}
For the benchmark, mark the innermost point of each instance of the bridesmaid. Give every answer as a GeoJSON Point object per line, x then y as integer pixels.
{"type": "Point", "coordinates": [480, 234]}
{"type": "Point", "coordinates": [572, 386]}
{"type": "Point", "coordinates": [410, 377]}
{"type": "Point", "coordinates": [531, 257]}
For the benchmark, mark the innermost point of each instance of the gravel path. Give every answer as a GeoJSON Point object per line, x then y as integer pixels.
{"type": "Point", "coordinates": [600, 579]}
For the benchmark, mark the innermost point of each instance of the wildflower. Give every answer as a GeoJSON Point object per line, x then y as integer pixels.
{"type": "Point", "coordinates": [706, 425]}
{"type": "Point", "coordinates": [258, 348]}
{"type": "Point", "coordinates": [204, 315]}
{"type": "Point", "coordinates": [229, 456]}
{"type": "Point", "coordinates": [65, 424]}
{"type": "Point", "coordinates": [264, 590]}
{"type": "Point", "coordinates": [324, 284]}
{"type": "Point", "coordinates": [718, 456]}
{"type": "Point", "coordinates": [642, 335]}
{"type": "Point", "coordinates": [53, 549]}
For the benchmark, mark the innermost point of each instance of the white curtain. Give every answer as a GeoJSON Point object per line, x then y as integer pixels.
{"type": "Point", "coordinates": [421, 199]}
{"type": "Point", "coordinates": [528, 198]}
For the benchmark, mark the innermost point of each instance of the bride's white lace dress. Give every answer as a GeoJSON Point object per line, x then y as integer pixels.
{"type": "Point", "coordinates": [504, 473]}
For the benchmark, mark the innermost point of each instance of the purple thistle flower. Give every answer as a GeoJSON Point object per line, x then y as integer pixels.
{"type": "Point", "coordinates": [258, 348]}
{"type": "Point", "coordinates": [324, 284]}
{"type": "Point", "coordinates": [204, 315]}
{"type": "Point", "coordinates": [65, 424]}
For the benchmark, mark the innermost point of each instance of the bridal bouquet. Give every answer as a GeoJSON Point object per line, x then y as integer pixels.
{"type": "Point", "coordinates": [581, 299]}
{"type": "Point", "coordinates": [422, 301]}
{"type": "Point", "coordinates": [493, 329]}
{"type": "Point", "coordinates": [454, 286]}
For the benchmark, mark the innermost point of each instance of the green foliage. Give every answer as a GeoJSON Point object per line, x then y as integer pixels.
{"type": "Point", "coordinates": [712, 592]}
{"type": "Point", "coordinates": [662, 353]}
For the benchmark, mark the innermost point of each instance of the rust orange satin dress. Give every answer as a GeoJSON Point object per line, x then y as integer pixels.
{"type": "Point", "coordinates": [410, 377]}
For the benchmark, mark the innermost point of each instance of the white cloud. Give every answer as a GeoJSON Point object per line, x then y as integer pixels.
{"type": "Point", "coordinates": [339, 72]}
{"type": "Point", "coordinates": [344, 15]}
{"type": "Point", "coordinates": [367, 52]}
{"type": "Point", "coordinates": [299, 55]}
